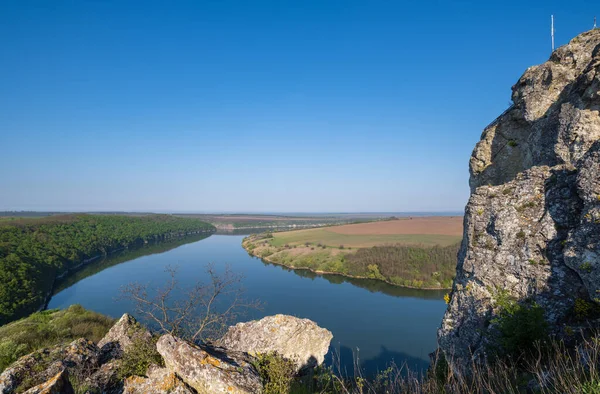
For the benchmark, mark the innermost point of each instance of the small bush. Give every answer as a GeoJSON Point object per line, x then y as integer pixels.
{"type": "Point", "coordinates": [522, 327]}
{"type": "Point", "coordinates": [138, 357]}
{"type": "Point", "coordinates": [276, 372]}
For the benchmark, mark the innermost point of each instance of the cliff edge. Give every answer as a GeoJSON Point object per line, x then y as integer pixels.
{"type": "Point", "coordinates": [532, 223]}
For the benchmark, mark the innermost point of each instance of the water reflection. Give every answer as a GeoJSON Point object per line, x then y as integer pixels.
{"type": "Point", "coordinates": [372, 285]}
{"type": "Point", "coordinates": [122, 257]}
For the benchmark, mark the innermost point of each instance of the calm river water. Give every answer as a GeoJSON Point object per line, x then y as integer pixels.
{"type": "Point", "coordinates": [380, 323]}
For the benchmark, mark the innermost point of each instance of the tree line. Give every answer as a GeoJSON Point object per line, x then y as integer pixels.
{"type": "Point", "coordinates": [414, 266]}
{"type": "Point", "coordinates": [34, 252]}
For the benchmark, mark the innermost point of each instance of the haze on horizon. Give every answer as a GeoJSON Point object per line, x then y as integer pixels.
{"type": "Point", "coordinates": [264, 106]}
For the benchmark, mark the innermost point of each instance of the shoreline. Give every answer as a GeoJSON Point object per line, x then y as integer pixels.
{"type": "Point", "coordinates": [84, 263]}
{"type": "Point", "coordinates": [319, 272]}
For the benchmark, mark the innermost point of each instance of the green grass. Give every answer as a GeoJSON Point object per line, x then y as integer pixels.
{"type": "Point", "coordinates": [332, 239]}
{"type": "Point", "coordinates": [49, 328]}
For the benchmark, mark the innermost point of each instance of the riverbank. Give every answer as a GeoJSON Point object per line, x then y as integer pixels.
{"type": "Point", "coordinates": [136, 249]}
{"type": "Point", "coordinates": [319, 272]}
{"type": "Point", "coordinates": [37, 252]}
{"type": "Point", "coordinates": [384, 251]}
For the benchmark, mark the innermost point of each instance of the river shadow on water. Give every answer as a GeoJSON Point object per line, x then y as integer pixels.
{"type": "Point", "coordinates": [378, 322]}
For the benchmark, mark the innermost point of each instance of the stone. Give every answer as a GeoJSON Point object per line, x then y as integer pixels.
{"type": "Point", "coordinates": [80, 356]}
{"type": "Point", "coordinates": [122, 334]}
{"type": "Point", "coordinates": [105, 379]}
{"type": "Point", "coordinates": [532, 222]}
{"type": "Point", "coordinates": [299, 340]}
{"type": "Point", "coordinates": [159, 381]}
{"type": "Point", "coordinates": [209, 370]}
{"type": "Point", "coordinates": [58, 384]}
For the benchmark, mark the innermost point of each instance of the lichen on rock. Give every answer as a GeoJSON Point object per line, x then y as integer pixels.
{"type": "Point", "coordinates": [209, 370]}
{"type": "Point", "coordinates": [299, 340]}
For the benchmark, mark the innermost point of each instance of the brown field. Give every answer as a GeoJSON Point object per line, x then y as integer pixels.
{"type": "Point", "coordinates": [440, 225]}
{"type": "Point", "coordinates": [427, 231]}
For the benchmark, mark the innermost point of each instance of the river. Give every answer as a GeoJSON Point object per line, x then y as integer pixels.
{"type": "Point", "coordinates": [376, 322]}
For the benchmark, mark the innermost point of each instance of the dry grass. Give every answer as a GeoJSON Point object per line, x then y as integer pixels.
{"type": "Point", "coordinates": [434, 225]}
{"type": "Point", "coordinates": [555, 369]}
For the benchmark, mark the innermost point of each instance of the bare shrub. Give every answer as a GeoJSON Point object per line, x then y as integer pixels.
{"type": "Point", "coordinates": [201, 313]}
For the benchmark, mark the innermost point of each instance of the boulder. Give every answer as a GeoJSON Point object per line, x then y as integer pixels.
{"type": "Point", "coordinates": [209, 370]}
{"type": "Point", "coordinates": [299, 340]}
{"type": "Point", "coordinates": [123, 334]}
{"type": "Point", "coordinates": [159, 381]}
{"type": "Point", "coordinates": [58, 384]}
{"type": "Point", "coordinates": [80, 357]}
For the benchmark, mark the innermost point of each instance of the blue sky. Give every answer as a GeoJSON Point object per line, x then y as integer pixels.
{"type": "Point", "coordinates": [303, 106]}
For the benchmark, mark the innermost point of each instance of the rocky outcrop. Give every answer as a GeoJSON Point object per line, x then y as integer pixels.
{"type": "Point", "coordinates": [122, 335]}
{"type": "Point", "coordinates": [78, 357]}
{"type": "Point", "coordinates": [159, 381]}
{"type": "Point", "coordinates": [58, 384]}
{"type": "Point", "coordinates": [299, 340]}
{"type": "Point", "coordinates": [188, 368]}
{"type": "Point", "coordinates": [532, 223]}
{"type": "Point", "coordinates": [209, 370]}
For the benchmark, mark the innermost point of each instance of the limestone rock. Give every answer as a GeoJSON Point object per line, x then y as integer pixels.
{"type": "Point", "coordinates": [58, 384]}
{"type": "Point", "coordinates": [299, 340]}
{"type": "Point", "coordinates": [78, 356]}
{"type": "Point", "coordinates": [209, 370]}
{"type": "Point", "coordinates": [122, 335]}
{"type": "Point", "coordinates": [532, 223]}
{"type": "Point", "coordinates": [159, 381]}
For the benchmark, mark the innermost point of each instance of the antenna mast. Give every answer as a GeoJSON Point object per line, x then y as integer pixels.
{"type": "Point", "coordinates": [594, 22]}
{"type": "Point", "coordinates": [552, 30]}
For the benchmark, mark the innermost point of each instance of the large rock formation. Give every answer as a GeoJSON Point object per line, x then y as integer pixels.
{"type": "Point", "coordinates": [299, 340]}
{"type": "Point", "coordinates": [532, 223]}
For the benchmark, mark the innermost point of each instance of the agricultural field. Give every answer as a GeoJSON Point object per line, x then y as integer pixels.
{"type": "Point", "coordinates": [426, 231]}
{"type": "Point", "coordinates": [412, 252]}
{"type": "Point", "coordinates": [233, 222]}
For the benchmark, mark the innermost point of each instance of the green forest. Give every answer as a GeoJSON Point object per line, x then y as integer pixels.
{"type": "Point", "coordinates": [34, 252]}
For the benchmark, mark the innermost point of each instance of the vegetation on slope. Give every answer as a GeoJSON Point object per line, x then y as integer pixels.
{"type": "Point", "coordinates": [403, 265]}
{"type": "Point", "coordinates": [34, 252]}
{"type": "Point", "coordinates": [49, 328]}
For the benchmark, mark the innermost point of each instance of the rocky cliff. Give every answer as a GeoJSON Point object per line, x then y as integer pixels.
{"type": "Point", "coordinates": [532, 223]}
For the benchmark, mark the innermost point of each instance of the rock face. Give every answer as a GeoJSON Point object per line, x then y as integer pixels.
{"type": "Point", "coordinates": [532, 223]}
{"type": "Point", "coordinates": [209, 371]}
{"type": "Point", "coordinates": [299, 340]}
{"type": "Point", "coordinates": [58, 384]}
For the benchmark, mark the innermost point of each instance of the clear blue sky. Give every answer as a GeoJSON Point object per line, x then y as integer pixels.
{"type": "Point", "coordinates": [258, 105]}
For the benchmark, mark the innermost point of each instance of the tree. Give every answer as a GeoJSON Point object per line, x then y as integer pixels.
{"type": "Point", "coordinates": [201, 313]}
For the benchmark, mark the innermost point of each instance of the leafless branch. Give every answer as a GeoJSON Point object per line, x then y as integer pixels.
{"type": "Point", "coordinates": [201, 313]}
